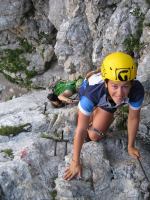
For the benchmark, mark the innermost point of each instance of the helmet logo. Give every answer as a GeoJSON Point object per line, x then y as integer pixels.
{"type": "Point", "coordinates": [123, 74]}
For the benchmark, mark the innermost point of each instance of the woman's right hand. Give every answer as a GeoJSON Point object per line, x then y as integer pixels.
{"type": "Point", "coordinates": [74, 170]}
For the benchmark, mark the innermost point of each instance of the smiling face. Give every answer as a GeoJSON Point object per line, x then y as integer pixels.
{"type": "Point", "coordinates": [118, 90]}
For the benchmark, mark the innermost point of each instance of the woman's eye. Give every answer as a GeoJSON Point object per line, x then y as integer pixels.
{"type": "Point", "coordinates": [126, 86]}
{"type": "Point", "coordinates": [115, 86]}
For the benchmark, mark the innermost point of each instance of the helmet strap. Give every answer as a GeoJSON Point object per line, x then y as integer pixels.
{"type": "Point", "coordinates": [106, 89]}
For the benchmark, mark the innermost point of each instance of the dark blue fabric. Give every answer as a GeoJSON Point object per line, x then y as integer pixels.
{"type": "Point", "coordinates": [97, 96]}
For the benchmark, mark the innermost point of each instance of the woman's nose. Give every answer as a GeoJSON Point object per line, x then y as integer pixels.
{"type": "Point", "coordinates": [120, 92]}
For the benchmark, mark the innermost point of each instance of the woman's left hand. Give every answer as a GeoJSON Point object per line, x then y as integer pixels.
{"type": "Point", "coordinates": [134, 152]}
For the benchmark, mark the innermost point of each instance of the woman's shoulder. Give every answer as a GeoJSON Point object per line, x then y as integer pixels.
{"type": "Point", "coordinates": [95, 79]}
{"type": "Point", "coordinates": [137, 85]}
{"type": "Point", "coordinates": [137, 90]}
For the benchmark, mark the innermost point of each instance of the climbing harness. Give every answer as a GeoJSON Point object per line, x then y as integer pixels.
{"type": "Point", "coordinates": [99, 133]}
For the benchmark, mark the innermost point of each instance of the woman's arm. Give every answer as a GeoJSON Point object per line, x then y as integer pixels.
{"type": "Point", "coordinates": [133, 124]}
{"type": "Point", "coordinates": [64, 97]}
{"type": "Point", "coordinates": [80, 134]}
{"type": "Point", "coordinates": [89, 74]}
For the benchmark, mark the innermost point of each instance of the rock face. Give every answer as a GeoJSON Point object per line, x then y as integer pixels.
{"type": "Point", "coordinates": [106, 174]}
{"type": "Point", "coordinates": [45, 40]}
{"type": "Point", "coordinates": [29, 171]}
{"type": "Point", "coordinates": [32, 162]}
{"type": "Point", "coordinates": [75, 35]}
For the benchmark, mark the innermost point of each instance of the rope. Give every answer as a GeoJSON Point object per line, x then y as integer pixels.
{"type": "Point", "coordinates": [143, 170]}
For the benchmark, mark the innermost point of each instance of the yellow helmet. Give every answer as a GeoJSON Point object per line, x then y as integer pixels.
{"type": "Point", "coordinates": [118, 66]}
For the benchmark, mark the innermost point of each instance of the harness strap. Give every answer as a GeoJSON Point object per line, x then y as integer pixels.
{"type": "Point", "coordinates": [98, 132]}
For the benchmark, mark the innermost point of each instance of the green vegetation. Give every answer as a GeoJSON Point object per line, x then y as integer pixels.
{"type": "Point", "coordinates": [132, 42]}
{"type": "Point", "coordinates": [14, 60]}
{"type": "Point", "coordinates": [25, 45]}
{"type": "Point", "coordinates": [12, 130]}
{"type": "Point", "coordinates": [8, 152]}
{"type": "Point", "coordinates": [31, 73]}
{"type": "Point", "coordinates": [53, 137]}
{"type": "Point", "coordinates": [16, 80]}
{"type": "Point", "coordinates": [44, 37]}
{"type": "Point", "coordinates": [137, 13]}
{"type": "Point", "coordinates": [121, 118]}
{"type": "Point", "coordinates": [148, 2]}
{"type": "Point", "coordinates": [147, 24]}
{"type": "Point", "coordinates": [53, 194]}
{"type": "Point", "coordinates": [47, 38]}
